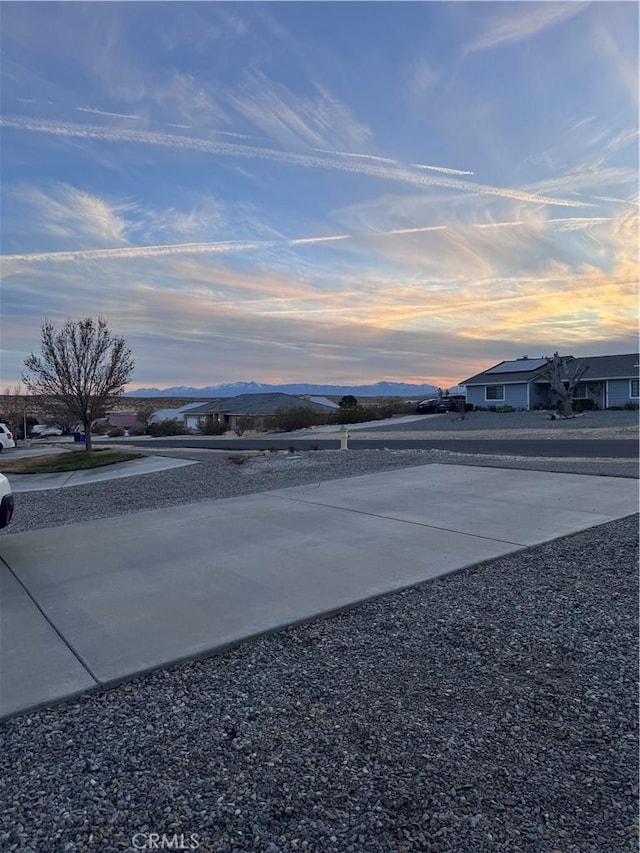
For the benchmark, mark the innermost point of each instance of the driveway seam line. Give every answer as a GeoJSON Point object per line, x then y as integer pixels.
{"type": "Point", "coordinates": [405, 521]}
{"type": "Point", "coordinates": [77, 656]}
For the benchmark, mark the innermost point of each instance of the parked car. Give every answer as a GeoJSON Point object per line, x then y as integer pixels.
{"type": "Point", "coordinates": [41, 431]}
{"type": "Point", "coordinates": [436, 405]}
{"type": "Point", "coordinates": [6, 501]}
{"type": "Point", "coordinates": [6, 438]}
{"type": "Point", "coordinates": [433, 406]}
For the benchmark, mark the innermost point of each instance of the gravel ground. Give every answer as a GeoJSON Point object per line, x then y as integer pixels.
{"type": "Point", "coordinates": [513, 425]}
{"type": "Point", "coordinates": [533, 420]}
{"type": "Point", "coordinates": [215, 477]}
{"type": "Point", "coordinates": [491, 710]}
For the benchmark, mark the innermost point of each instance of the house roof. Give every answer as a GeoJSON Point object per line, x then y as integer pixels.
{"type": "Point", "coordinates": [325, 401]}
{"type": "Point", "coordinates": [510, 373]}
{"type": "Point", "coordinates": [624, 366]}
{"type": "Point", "coordinates": [121, 419]}
{"type": "Point", "coordinates": [171, 414]}
{"type": "Point", "coordinates": [255, 404]}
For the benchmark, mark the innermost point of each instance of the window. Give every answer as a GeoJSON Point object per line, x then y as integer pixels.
{"type": "Point", "coordinates": [635, 389]}
{"type": "Point", "coordinates": [494, 392]}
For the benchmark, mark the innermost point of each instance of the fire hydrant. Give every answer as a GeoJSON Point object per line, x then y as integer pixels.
{"type": "Point", "coordinates": [344, 438]}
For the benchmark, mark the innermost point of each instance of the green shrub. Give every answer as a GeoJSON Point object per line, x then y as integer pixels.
{"type": "Point", "coordinates": [502, 409]}
{"type": "Point", "coordinates": [136, 430]}
{"type": "Point", "coordinates": [116, 432]}
{"type": "Point", "coordinates": [631, 407]}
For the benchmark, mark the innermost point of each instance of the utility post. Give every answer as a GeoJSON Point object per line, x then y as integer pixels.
{"type": "Point", "coordinates": [344, 438]}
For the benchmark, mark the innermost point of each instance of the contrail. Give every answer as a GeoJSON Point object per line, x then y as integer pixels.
{"type": "Point", "coordinates": [235, 150]}
{"type": "Point", "coordinates": [225, 247]}
{"type": "Point", "coordinates": [442, 169]}
{"type": "Point", "coordinates": [144, 251]}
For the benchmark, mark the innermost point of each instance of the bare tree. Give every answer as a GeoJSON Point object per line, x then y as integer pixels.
{"type": "Point", "coordinates": [563, 374]}
{"type": "Point", "coordinates": [13, 408]}
{"type": "Point", "coordinates": [144, 410]}
{"type": "Point", "coordinates": [81, 367]}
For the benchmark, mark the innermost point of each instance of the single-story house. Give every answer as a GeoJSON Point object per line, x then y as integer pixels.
{"type": "Point", "coordinates": [609, 381]}
{"type": "Point", "coordinates": [227, 411]}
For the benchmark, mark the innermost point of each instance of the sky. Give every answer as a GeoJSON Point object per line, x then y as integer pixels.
{"type": "Point", "coordinates": [320, 192]}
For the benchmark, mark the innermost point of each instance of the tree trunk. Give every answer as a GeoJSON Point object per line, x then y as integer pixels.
{"type": "Point", "coordinates": [87, 436]}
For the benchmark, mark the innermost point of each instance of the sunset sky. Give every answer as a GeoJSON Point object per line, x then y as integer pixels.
{"type": "Point", "coordinates": [321, 192]}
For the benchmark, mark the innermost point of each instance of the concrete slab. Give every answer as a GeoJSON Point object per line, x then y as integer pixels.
{"type": "Point", "coordinates": [146, 465]}
{"type": "Point", "coordinates": [159, 586]}
{"type": "Point", "coordinates": [36, 664]}
{"type": "Point", "coordinates": [136, 592]}
{"type": "Point", "coordinates": [522, 507]}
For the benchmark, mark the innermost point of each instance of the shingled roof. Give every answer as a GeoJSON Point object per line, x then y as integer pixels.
{"type": "Point", "coordinates": [600, 367]}
{"type": "Point", "coordinates": [256, 404]}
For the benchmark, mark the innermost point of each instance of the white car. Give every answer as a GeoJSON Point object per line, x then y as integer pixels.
{"type": "Point", "coordinates": [41, 431]}
{"type": "Point", "coordinates": [6, 501]}
{"type": "Point", "coordinates": [6, 437]}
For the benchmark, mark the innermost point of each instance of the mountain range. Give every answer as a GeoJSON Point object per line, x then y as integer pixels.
{"type": "Point", "coordinates": [379, 389]}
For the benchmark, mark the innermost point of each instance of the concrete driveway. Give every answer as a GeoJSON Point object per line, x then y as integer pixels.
{"type": "Point", "coordinates": [88, 604]}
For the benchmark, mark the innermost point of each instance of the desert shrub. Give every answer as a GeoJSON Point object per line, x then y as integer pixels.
{"type": "Point", "coordinates": [136, 430]}
{"type": "Point", "coordinates": [116, 432]}
{"type": "Point", "coordinates": [355, 415]}
{"type": "Point", "coordinates": [242, 424]}
{"type": "Point", "coordinates": [100, 428]}
{"type": "Point", "coordinates": [348, 402]}
{"type": "Point", "coordinates": [164, 428]}
{"type": "Point", "coordinates": [298, 417]}
{"type": "Point", "coordinates": [211, 427]}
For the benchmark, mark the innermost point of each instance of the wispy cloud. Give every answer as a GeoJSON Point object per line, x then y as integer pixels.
{"type": "Point", "coordinates": [236, 150]}
{"type": "Point", "coordinates": [293, 120]}
{"type": "Point", "coordinates": [422, 77]}
{"type": "Point", "coordinates": [516, 22]}
{"type": "Point", "coordinates": [69, 213]}
{"type": "Point", "coordinates": [231, 246]}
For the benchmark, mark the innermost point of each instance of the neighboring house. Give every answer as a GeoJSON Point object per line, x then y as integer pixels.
{"type": "Point", "coordinates": [124, 420]}
{"type": "Point", "coordinates": [171, 414]}
{"type": "Point", "coordinates": [225, 412]}
{"type": "Point", "coordinates": [610, 381]}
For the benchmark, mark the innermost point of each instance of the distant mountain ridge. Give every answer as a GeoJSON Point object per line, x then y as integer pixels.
{"type": "Point", "coordinates": [379, 389]}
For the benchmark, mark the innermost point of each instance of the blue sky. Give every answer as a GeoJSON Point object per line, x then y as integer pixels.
{"type": "Point", "coordinates": [321, 192]}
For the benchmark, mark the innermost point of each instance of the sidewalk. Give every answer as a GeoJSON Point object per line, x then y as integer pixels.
{"type": "Point", "coordinates": [145, 465]}
{"type": "Point", "coordinates": [92, 603]}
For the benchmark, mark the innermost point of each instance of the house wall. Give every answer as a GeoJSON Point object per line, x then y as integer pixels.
{"type": "Point", "coordinates": [514, 395]}
{"type": "Point", "coordinates": [591, 391]}
{"type": "Point", "coordinates": [619, 393]}
{"type": "Point", "coordinates": [539, 395]}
